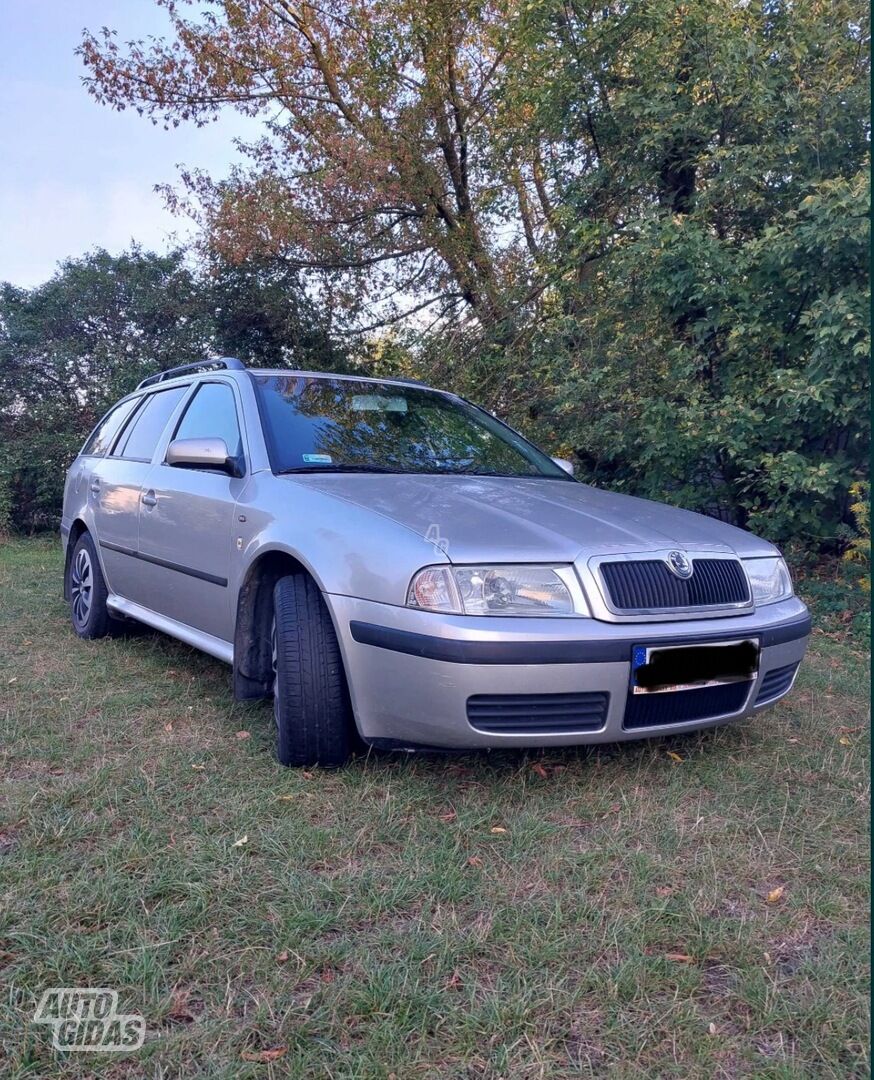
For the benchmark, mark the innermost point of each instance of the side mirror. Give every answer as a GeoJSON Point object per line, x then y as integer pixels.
{"type": "Point", "coordinates": [202, 454]}
{"type": "Point", "coordinates": [563, 463]}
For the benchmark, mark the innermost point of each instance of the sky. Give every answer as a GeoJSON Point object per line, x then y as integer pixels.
{"type": "Point", "coordinates": [75, 175]}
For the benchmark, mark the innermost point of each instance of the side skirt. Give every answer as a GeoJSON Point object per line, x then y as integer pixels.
{"type": "Point", "coordinates": [221, 650]}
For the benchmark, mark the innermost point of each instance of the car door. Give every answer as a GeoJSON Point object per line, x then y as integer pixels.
{"type": "Point", "coordinates": [115, 483]}
{"type": "Point", "coordinates": [187, 515]}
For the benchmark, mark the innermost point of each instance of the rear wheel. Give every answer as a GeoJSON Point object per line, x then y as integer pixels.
{"type": "Point", "coordinates": [87, 590]}
{"type": "Point", "coordinates": [314, 724]}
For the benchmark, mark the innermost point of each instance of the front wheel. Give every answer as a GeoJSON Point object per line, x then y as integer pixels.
{"type": "Point", "coordinates": [314, 724]}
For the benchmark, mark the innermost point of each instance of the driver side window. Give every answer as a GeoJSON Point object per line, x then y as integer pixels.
{"type": "Point", "coordinates": [212, 413]}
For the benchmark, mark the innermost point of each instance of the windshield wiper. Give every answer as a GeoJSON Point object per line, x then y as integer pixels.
{"type": "Point", "coordinates": [338, 469]}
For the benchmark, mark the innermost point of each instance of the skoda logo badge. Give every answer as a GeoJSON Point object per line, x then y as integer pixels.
{"type": "Point", "coordinates": [679, 564]}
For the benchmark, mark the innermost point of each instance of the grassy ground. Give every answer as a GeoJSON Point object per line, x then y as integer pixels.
{"type": "Point", "coordinates": [692, 908]}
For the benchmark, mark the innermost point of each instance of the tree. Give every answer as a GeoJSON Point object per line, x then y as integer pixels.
{"type": "Point", "coordinates": [719, 355]}
{"type": "Point", "coordinates": [379, 161]}
{"type": "Point", "coordinates": [646, 216]}
{"type": "Point", "coordinates": [74, 345]}
{"type": "Point", "coordinates": [259, 312]}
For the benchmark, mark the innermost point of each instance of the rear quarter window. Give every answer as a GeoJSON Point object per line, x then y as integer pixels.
{"type": "Point", "coordinates": [140, 438]}
{"type": "Point", "coordinates": [101, 437]}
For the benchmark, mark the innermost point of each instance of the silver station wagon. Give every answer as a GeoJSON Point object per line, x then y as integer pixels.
{"type": "Point", "coordinates": [395, 566]}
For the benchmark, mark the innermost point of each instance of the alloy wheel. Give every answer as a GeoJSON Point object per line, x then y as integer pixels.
{"type": "Point", "coordinates": [81, 586]}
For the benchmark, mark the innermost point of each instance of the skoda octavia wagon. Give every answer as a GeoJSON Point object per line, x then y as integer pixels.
{"type": "Point", "coordinates": [395, 566]}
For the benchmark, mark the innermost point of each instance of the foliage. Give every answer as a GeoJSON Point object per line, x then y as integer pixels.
{"type": "Point", "coordinates": [706, 338]}
{"type": "Point", "coordinates": [755, 407]}
{"type": "Point", "coordinates": [859, 549]}
{"type": "Point", "coordinates": [73, 346]}
{"type": "Point", "coordinates": [839, 600]}
{"type": "Point", "coordinates": [378, 163]}
{"type": "Point", "coordinates": [259, 313]}
{"type": "Point", "coordinates": [639, 229]}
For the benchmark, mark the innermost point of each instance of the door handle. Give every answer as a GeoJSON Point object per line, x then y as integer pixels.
{"type": "Point", "coordinates": [95, 487]}
{"type": "Point", "coordinates": [149, 499]}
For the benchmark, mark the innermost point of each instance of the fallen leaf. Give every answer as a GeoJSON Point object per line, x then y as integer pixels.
{"type": "Point", "coordinates": [497, 829]}
{"type": "Point", "coordinates": [776, 894]}
{"type": "Point", "coordinates": [712, 1028]}
{"type": "Point", "coordinates": [285, 798]}
{"type": "Point", "coordinates": [198, 768]}
{"type": "Point", "coordinates": [844, 741]}
{"type": "Point", "coordinates": [664, 890]}
{"type": "Point", "coordinates": [239, 843]}
{"type": "Point", "coordinates": [282, 957]}
{"type": "Point", "coordinates": [12, 680]}
{"type": "Point", "coordinates": [453, 983]}
{"type": "Point", "coordinates": [327, 976]}
{"type": "Point", "coordinates": [675, 757]}
{"type": "Point", "coordinates": [168, 727]}
{"type": "Point", "coordinates": [850, 730]}
{"type": "Point", "coordinates": [615, 808]}
{"type": "Point", "coordinates": [243, 735]}
{"type": "Point", "coordinates": [539, 769]}
{"type": "Point", "coordinates": [474, 860]}
{"type": "Point", "coordinates": [307, 775]}
{"type": "Point", "coordinates": [263, 1056]}
{"type": "Point", "coordinates": [28, 643]}
{"type": "Point", "coordinates": [680, 958]}
{"type": "Point", "coordinates": [179, 1009]}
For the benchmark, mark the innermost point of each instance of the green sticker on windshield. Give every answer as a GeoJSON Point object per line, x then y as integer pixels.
{"type": "Point", "coordinates": [318, 459]}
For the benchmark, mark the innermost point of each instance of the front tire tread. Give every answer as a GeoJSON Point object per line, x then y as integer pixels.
{"type": "Point", "coordinates": [311, 702]}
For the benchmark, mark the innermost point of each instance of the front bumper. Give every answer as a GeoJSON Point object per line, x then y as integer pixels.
{"type": "Point", "coordinates": [411, 673]}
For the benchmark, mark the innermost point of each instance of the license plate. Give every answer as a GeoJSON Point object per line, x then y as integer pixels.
{"type": "Point", "coordinates": [658, 669]}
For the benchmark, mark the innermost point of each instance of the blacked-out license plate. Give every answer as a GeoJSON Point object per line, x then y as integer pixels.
{"type": "Point", "coordinates": [657, 669]}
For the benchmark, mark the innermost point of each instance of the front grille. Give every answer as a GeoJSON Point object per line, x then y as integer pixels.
{"type": "Point", "coordinates": [776, 682]}
{"type": "Point", "coordinates": [538, 714]}
{"type": "Point", "coordinates": [648, 585]}
{"type": "Point", "coordinates": [681, 706]}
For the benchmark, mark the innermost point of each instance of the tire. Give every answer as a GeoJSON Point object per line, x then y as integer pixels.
{"type": "Point", "coordinates": [314, 724]}
{"type": "Point", "coordinates": [86, 588]}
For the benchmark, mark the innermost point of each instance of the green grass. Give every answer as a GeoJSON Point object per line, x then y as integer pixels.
{"type": "Point", "coordinates": [376, 924]}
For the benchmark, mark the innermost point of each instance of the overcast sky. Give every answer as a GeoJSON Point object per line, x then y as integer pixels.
{"type": "Point", "coordinates": [77, 175]}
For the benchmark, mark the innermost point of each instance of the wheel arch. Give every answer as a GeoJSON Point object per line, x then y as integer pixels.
{"type": "Point", "coordinates": [76, 529]}
{"type": "Point", "coordinates": [253, 673]}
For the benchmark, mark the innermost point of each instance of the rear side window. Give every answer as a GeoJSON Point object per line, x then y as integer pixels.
{"type": "Point", "coordinates": [101, 437]}
{"type": "Point", "coordinates": [141, 436]}
{"type": "Point", "coordinates": [212, 414]}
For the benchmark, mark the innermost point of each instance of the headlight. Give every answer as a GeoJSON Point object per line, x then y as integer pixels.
{"type": "Point", "coordinates": [769, 579]}
{"type": "Point", "coordinates": [492, 590]}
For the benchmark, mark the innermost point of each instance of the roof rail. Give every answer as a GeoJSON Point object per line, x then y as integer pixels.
{"type": "Point", "coordinates": [229, 363]}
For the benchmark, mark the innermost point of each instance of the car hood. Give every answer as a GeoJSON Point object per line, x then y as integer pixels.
{"type": "Point", "coordinates": [478, 518]}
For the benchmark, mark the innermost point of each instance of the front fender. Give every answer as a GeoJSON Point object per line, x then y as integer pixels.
{"type": "Point", "coordinates": [346, 548]}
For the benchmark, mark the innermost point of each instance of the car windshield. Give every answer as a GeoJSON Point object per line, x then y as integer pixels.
{"type": "Point", "coordinates": [316, 424]}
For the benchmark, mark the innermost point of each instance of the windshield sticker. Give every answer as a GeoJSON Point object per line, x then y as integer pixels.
{"type": "Point", "coordinates": [318, 459]}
